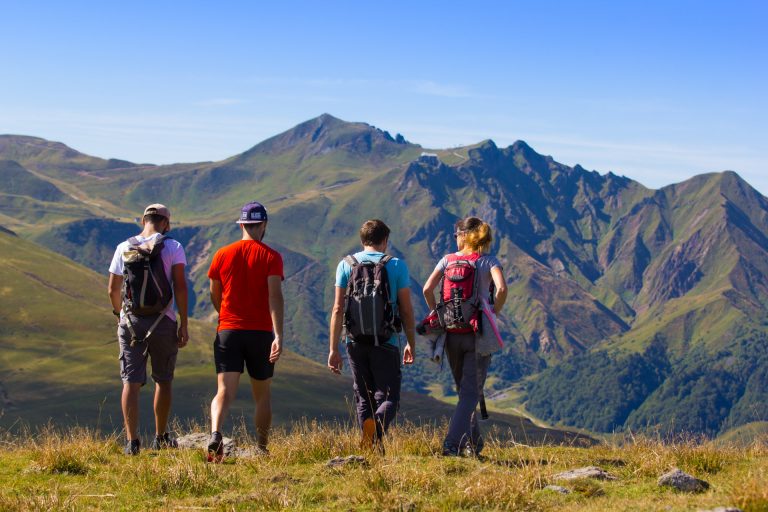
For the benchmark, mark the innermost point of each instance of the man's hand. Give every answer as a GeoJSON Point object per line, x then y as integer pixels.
{"type": "Point", "coordinates": [182, 336]}
{"type": "Point", "coordinates": [408, 355]}
{"type": "Point", "coordinates": [277, 349]}
{"type": "Point", "coordinates": [335, 362]}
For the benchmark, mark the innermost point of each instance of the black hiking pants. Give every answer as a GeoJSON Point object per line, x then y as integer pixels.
{"type": "Point", "coordinates": [376, 376]}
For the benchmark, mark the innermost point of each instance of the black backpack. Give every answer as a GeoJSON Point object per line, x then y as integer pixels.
{"type": "Point", "coordinates": [146, 290]}
{"type": "Point", "coordinates": [369, 316]}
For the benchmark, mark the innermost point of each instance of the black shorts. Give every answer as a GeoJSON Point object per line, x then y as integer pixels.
{"type": "Point", "coordinates": [233, 350]}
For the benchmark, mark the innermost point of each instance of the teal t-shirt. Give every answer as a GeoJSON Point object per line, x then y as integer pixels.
{"type": "Point", "coordinates": [397, 272]}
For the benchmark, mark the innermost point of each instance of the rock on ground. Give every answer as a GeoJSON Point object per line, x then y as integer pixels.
{"type": "Point", "coordinates": [587, 472]}
{"type": "Point", "coordinates": [723, 509]}
{"type": "Point", "coordinates": [682, 481]}
{"type": "Point", "coordinates": [345, 461]}
{"type": "Point", "coordinates": [557, 488]}
{"type": "Point", "coordinates": [199, 441]}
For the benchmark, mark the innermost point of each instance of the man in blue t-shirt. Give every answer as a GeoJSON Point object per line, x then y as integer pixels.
{"type": "Point", "coordinates": [375, 368]}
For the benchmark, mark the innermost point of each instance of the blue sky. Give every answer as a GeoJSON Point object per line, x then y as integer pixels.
{"type": "Point", "coordinates": [657, 91]}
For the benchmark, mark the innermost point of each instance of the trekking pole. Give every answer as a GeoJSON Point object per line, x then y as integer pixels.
{"type": "Point", "coordinates": [483, 409]}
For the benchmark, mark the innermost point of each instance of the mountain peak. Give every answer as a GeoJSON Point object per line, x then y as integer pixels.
{"type": "Point", "coordinates": [28, 145]}
{"type": "Point", "coordinates": [326, 133]}
{"type": "Point", "coordinates": [327, 118]}
{"type": "Point", "coordinates": [521, 145]}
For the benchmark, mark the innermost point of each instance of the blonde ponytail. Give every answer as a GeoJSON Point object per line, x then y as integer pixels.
{"type": "Point", "coordinates": [480, 239]}
{"type": "Point", "coordinates": [477, 234]}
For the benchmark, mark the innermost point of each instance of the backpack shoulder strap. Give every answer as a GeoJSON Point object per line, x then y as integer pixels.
{"type": "Point", "coordinates": [133, 241]}
{"type": "Point", "coordinates": [385, 259]}
{"type": "Point", "coordinates": [351, 260]}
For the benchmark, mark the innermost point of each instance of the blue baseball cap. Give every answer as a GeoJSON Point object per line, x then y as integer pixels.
{"type": "Point", "coordinates": [253, 213]}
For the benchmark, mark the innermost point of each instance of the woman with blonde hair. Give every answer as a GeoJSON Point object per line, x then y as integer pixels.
{"type": "Point", "coordinates": [459, 318]}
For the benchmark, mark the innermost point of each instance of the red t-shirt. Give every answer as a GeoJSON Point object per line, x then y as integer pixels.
{"type": "Point", "coordinates": [243, 268]}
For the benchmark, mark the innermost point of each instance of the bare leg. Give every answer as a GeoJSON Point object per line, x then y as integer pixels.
{"type": "Point", "coordinates": [163, 396]}
{"type": "Point", "coordinates": [263, 419]}
{"type": "Point", "coordinates": [227, 391]}
{"type": "Point", "coordinates": [130, 404]}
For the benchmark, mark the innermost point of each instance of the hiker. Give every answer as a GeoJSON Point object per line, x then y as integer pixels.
{"type": "Point", "coordinates": [246, 290]}
{"type": "Point", "coordinates": [458, 312]}
{"type": "Point", "coordinates": [145, 277]}
{"type": "Point", "coordinates": [372, 310]}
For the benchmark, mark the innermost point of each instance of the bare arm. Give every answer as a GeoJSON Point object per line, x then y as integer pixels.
{"type": "Point", "coordinates": [180, 295]}
{"type": "Point", "coordinates": [501, 289]}
{"type": "Point", "coordinates": [335, 361]}
{"type": "Point", "coordinates": [114, 289]}
{"type": "Point", "coordinates": [405, 306]}
{"type": "Point", "coordinates": [429, 288]}
{"type": "Point", "coordinates": [216, 291]}
{"type": "Point", "coordinates": [276, 305]}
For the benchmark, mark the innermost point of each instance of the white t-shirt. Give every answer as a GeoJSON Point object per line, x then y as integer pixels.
{"type": "Point", "coordinates": [172, 254]}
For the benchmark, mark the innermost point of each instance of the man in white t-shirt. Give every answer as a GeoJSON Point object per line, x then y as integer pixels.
{"type": "Point", "coordinates": [155, 336]}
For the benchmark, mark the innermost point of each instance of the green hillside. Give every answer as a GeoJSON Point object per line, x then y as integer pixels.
{"type": "Point", "coordinates": [604, 273]}
{"type": "Point", "coordinates": [18, 181]}
{"type": "Point", "coordinates": [59, 359]}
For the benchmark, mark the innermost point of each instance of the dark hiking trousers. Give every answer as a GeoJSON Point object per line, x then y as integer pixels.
{"type": "Point", "coordinates": [376, 376]}
{"type": "Point", "coordinates": [469, 371]}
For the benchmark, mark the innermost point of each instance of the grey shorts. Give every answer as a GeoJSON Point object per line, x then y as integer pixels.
{"type": "Point", "coordinates": [163, 347]}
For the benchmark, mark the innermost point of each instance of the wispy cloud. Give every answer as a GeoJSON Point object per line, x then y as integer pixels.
{"type": "Point", "coordinates": [415, 86]}
{"type": "Point", "coordinates": [431, 88]}
{"type": "Point", "coordinates": [220, 102]}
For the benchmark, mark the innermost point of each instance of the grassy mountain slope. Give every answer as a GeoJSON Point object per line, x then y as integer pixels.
{"type": "Point", "coordinates": [18, 181]}
{"type": "Point", "coordinates": [59, 358]}
{"type": "Point", "coordinates": [601, 269]}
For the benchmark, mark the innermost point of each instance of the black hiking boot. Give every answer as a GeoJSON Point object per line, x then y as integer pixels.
{"type": "Point", "coordinates": [132, 447]}
{"type": "Point", "coordinates": [215, 447]}
{"type": "Point", "coordinates": [163, 442]}
{"type": "Point", "coordinates": [451, 451]}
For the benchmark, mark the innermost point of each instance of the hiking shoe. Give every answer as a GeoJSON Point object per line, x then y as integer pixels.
{"type": "Point", "coordinates": [369, 434]}
{"type": "Point", "coordinates": [132, 447]}
{"type": "Point", "coordinates": [451, 451]}
{"type": "Point", "coordinates": [473, 449]}
{"type": "Point", "coordinates": [215, 447]}
{"type": "Point", "coordinates": [163, 442]}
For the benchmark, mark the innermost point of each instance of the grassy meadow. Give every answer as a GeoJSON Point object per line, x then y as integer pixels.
{"type": "Point", "coordinates": [76, 469]}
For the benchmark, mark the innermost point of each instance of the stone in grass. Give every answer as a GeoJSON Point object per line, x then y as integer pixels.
{"type": "Point", "coordinates": [587, 472]}
{"type": "Point", "coordinates": [682, 481]}
{"type": "Point", "coordinates": [557, 488]}
{"type": "Point", "coordinates": [349, 460]}
{"type": "Point", "coordinates": [723, 509]}
{"type": "Point", "coordinates": [200, 440]}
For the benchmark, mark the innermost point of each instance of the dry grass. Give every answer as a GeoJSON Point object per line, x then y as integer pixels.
{"type": "Point", "coordinates": [751, 493]}
{"type": "Point", "coordinates": [79, 470]}
{"type": "Point", "coordinates": [73, 452]}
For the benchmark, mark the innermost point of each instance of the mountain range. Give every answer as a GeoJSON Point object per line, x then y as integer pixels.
{"type": "Point", "coordinates": [628, 308]}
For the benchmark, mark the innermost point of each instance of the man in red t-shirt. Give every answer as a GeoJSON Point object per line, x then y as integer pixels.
{"type": "Point", "coordinates": [246, 279]}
